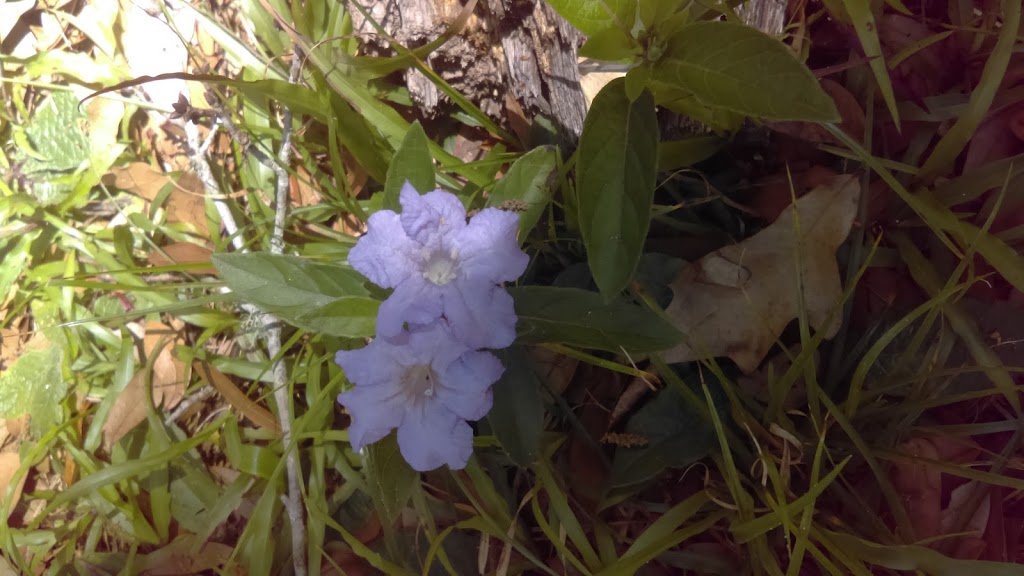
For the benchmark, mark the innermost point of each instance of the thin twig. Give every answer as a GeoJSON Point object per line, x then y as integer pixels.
{"type": "Point", "coordinates": [293, 499]}
{"type": "Point", "coordinates": [187, 403]}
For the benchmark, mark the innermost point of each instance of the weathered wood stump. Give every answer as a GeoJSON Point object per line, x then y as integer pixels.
{"type": "Point", "coordinates": [512, 56]}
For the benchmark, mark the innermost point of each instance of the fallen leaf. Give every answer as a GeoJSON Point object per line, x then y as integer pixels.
{"type": "Point", "coordinates": [774, 193]}
{"type": "Point", "coordinates": [9, 464]}
{"type": "Point", "coordinates": [343, 561]}
{"type": "Point", "coordinates": [168, 386]}
{"type": "Point", "coordinates": [183, 557]}
{"type": "Point", "coordinates": [554, 369]}
{"type": "Point", "coordinates": [920, 487]}
{"type": "Point", "coordinates": [959, 498]}
{"type": "Point", "coordinates": [736, 302]}
{"type": "Point", "coordinates": [251, 410]}
{"type": "Point", "coordinates": [301, 189]}
{"type": "Point", "coordinates": [999, 136]}
{"type": "Point", "coordinates": [184, 253]}
{"type": "Point", "coordinates": [637, 389]}
{"type": "Point", "coordinates": [185, 204]}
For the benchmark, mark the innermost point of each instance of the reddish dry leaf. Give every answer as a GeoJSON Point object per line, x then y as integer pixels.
{"type": "Point", "coordinates": [920, 486]}
{"type": "Point", "coordinates": [517, 118]}
{"type": "Point", "coordinates": [184, 253]}
{"type": "Point", "coordinates": [929, 71]}
{"type": "Point", "coordinates": [185, 204]}
{"type": "Point", "coordinates": [736, 301]}
{"type": "Point", "coordinates": [168, 386]}
{"type": "Point", "coordinates": [775, 193]}
{"type": "Point", "coordinates": [9, 464]}
{"type": "Point", "coordinates": [999, 136]}
{"type": "Point", "coordinates": [344, 558]}
{"type": "Point", "coordinates": [554, 369]}
{"type": "Point", "coordinates": [10, 344]}
{"type": "Point", "coordinates": [300, 190]}
{"type": "Point", "coordinates": [251, 410]}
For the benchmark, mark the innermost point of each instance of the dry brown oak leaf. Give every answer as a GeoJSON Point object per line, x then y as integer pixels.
{"type": "Point", "coordinates": [736, 301]}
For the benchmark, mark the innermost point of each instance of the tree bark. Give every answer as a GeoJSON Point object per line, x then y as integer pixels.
{"type": "Point", "coordinates": [513, 56]}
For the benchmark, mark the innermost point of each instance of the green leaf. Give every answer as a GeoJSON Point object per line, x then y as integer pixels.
{"type": "Point", "coordinates": [324, 298]}
{"type": "Point", "coordinates": [610, 44]}
{"type": "Point", "coordinates": [686, 104]}
{"type": "Point", "coordinates": [652, 12]}
{"type": "Point", "coordinates": [637, 80]}
{"type": "Point", "coordinates": [33, 385]}
{"type": "Point", "coordinates": [592, 16]}
{"type": "Point", "coordinates": [389, 477]}
{"type": "Point", "coordinates": [917, 558]}
{"type": "Point", "coordinates": [58, 134]}
{"type": "Point", "coordinates": [675, 154]}
{"type": "Point", "coordinates": [582, 318]}
{"type": "Point", "coordinates": [517, 417]}
{"type": "Point", "coordinates": [411, 163]}
{"type": "Point", "coordinates": [526, 183]}
{"type": "Point", "coordinates": [732, 66]}
{"type": "Point", "coordinates": [616, 163]}
{"type": "Point", "coordinates": [676, 437]}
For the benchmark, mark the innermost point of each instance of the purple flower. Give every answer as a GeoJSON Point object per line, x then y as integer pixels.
{"type": "Point", "coordinates": [441, 266]}
{"type": "Point", "coordinates": [426, 384]}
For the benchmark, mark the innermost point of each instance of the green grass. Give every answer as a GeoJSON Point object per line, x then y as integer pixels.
{"type": "Point", "coordinates": [793, 476]}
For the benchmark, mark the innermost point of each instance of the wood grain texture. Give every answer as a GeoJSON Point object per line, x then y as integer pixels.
{"type": "Point", "coordinates": [510, 49]}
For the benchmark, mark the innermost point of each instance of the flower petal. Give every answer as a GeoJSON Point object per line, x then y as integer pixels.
{"type": "Point", "coordinates": [415, 301]}
{"type": "Point", "coordinates": [375, 411]}
{"type": "Point", "coordinates": [465, 388]}
{"type": "Point", "coordinates": [481, 314]}
{"type": "Point", "coordinates": [431, 217]}
{"type": "Point", "coordinates": [435, 344]}
{"type": "Point", "coordinates": [378, 362]}
{"type": "Point", "coordinates": [431, 435]}
{"type": "Point", "coordinates": [385, 254]}
{"type": "Point", "coordinates": [488, 249]}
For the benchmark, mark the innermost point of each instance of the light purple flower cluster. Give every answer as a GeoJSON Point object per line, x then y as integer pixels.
{"type": "Point", "coordinates": [424, 373]}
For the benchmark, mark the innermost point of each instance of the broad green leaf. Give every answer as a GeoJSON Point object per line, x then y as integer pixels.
{"type": "Point", "coordinates": [676, 436]}
{"type": "Point", "coordinates": [324, 298]}
{"type": "Point", "coordinates": [57, 133]}
{"type": "Point", "coordinates": [593, 16]}
{"type": "Point", "coordinates": [732, 66]}
{"type": "Point", "coordinates": [33, 385]}
{"type": "Point", "coordinates": [525, 186]}
{"type": "Point", "coordinates": [637, 80]}
{"type": "Point", "coordinates": [615, 174]}
{"type": "Point", "coordinates": [610, 44]}
{"type": "Point", "coordinates": [16, 254]}
{"type": "Point", "coordinates": [389, 477]}
{"type": "Point", "coordinates": [686, 104]}
{"type": "Point", "coordinates": [517, 417]}
{"type": "Point", "coordinates": [651, 12]}
{"type": "Point", "coordinates": [582, 318]}
{"type": "Point", "coordinates": [675, 154]}
{"type": "Point", "coordinates": [411, 163]}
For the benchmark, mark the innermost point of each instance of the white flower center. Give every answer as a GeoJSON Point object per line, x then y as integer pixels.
{"type": "Point", "coordinates": [418, 382]}
{"type": "Point", "coordinates": [440, 267]}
